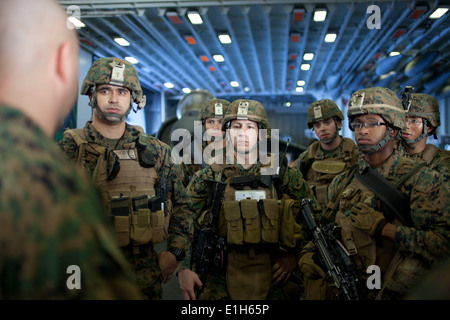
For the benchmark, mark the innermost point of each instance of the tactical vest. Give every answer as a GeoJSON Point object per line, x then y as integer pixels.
{"type": "Point", "coordinates": [252, 217]}
{"type": "Point", "coordinates": [249, 213]}
{"type": "Point", "coordinates": [403, 271]}
{"type": "Point", "coordinates": [138, 213]}
{"type": "Point", "coordinates": [319, 173]}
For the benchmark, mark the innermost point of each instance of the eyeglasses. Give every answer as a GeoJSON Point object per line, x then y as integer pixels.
{"type": "Point", "coordinates": [413, 122]}
{"type": "Point", "coordinates": [367, 125]}
{"type": "Point", "coordinates": [112, 164]}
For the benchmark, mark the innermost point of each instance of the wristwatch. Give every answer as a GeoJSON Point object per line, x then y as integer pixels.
{"type": "Point", "coordinates": [178, 253]}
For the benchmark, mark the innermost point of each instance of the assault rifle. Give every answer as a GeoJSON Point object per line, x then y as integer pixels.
{"type": "Point", "coordinates": [210, 244]}
{"type": "Point", "coordinates": [339, 268]}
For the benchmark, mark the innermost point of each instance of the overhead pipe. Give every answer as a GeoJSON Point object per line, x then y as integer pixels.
{"type": "Point", "coordinates": [193, 77]}
{"type": "Point", "coordinates": [118, 47]}
{"type": "Point", "coordinates": [186, 49]}
{"type": "Point", "coordinates": [353, 61]}
{"type": "Point", "coordinates": [163, 70]}
{"type": "Point", "coordinates": [417, 23]}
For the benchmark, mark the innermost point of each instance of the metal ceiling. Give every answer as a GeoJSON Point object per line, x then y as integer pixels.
{"type": "Point", "coordinates": [268, 44]}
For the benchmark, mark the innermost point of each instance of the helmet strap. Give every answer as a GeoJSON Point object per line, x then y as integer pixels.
{"type": "Point", "coordinates": [104, 115]}
{"type": "Point", "coordinates": [410, 143]}
{"type": "Point", "coordinates": [369, 149]}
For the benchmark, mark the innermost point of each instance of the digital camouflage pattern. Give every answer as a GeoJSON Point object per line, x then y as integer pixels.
{"type": "Point", "coordinates": [244, 109]}
{"type": "Point", "coordinates": [426, 107]}
{"type": "Point", "coordinates": [345, 152]}
{"type": "Point", "coordinates": [101, 73]}
{"type": "Point", "coordinates": [209, 109]}
{"type": "Point", "coordinates": [323, 109]}
{"type": "Point", "coordinates": [440, 161]}
{"type": "Point", "coordinates": [51, 218]}
{"type": "Point", "coordinates": [428, 240]}
{"type": "Point", "coordinates": [180, 227]}
{"type": "Point", "coordinates": [377, 100]}
{"type": "Point", "coordinates": [293, 185]}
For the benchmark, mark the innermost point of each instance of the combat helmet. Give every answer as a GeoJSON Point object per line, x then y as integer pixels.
{"type": "Point", "coordinates": [214, 108]}
{"type": "Point", "coordinates": [245, 109]}
{"type": "Point", "coordinates": [323, 109]}
{"type": "Point", "coordinates": [422, 106]}
{"type": "Point", "coordinates": [113, 71]}
{"type": "Point", "coordinates": [380, 101]}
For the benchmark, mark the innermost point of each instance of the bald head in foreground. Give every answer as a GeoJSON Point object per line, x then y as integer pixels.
{"type": "Point", "coordinates": [55, 241]}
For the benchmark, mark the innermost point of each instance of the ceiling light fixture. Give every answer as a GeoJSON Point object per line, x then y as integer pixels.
{"type": "Point", "coordinates": [173, 16]}
{"type": "Point", "coordinates": [168, 85]}
{"type": "Point", "coordinates": [394, 53]}
{"type": "Point", "coordinates": [224, 38]}
{"type": "Point", "coordinates": [234, 84]}
{"type": "Point", "coordinates": [301, 83]}
{"type": "Point", "coordinates": [186, 90]}
{"type": "Point", "coordinates": [122, 41]}
{"type": "Point", "coordinates": [299, 89]}
{"type": "Point", "coordinates": [308, 56]}
{"type": "Point", "coordinates": [330, 37]}
{"type": "Point", "coordinates": [305, 66]}
{"type": "Point", "coordinates": [132, 60]}
{"type": "Point", "coordinates": [218, 58]}
{"type": "Point", "coordinates": [320, 15]}
{"type": "Point", "coordinates": [194, 17]}
{"type": "Point", "coordinates": [439, 12]}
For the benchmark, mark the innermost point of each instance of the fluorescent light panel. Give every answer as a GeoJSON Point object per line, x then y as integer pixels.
{"type": "Point", "coordinates": [218, 58]}
{"type": "Point", "coordinates": [330, 37]}
{"type": "Point", "coordinates": [224, 38]}
{"type": "Point", "coordinates": [320, 15]}
{"type": "Point", "coordinates": [305, 66]}
{"type": "Point", "coordinates": [121, 41]}
{"type": "Point", "coordinates": [132, 60]}
{"type": "Point", "coordinates": [308, 56]}
{"type": "Point", "coordinates": [439, 12]}
{"type": "Point", "coordinates": [194, 17]}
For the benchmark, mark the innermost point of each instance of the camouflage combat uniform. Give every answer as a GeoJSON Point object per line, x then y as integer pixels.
{"type": "Point", "coordinates": [51, 218]}
{"type": "Point", "coordinates": [155, 176]}
{"type": "Point", "coordinates": [426, 107]}
{"type": "Point", "coordinates": [417, 246]}
{"type": "Point", "coordinates": [213, 108]}
{"type": "Point", "coordinates": [292, 185]}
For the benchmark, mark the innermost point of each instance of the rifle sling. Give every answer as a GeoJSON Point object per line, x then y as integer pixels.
{"type": "Point", "coordinates": [387, 193]}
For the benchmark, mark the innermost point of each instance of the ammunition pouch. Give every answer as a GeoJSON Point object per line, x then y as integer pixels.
{"type": "Point", "coordinates": [290, 232]}
{"type": "Point", "coordinates": [139, 219]}
{"type": "Point", "coordinates": [251, 221]}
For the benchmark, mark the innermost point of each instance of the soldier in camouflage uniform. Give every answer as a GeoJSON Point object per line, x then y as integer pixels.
{"type": "Point", "coordinates": [211, 117]}
{"type": "Point", "coordinates": [259, 257]}
{"type": "Point", "coordinates": [140, 185]}
{"type": "Point", "coordinates": [55, 241]}
{"type": "Point", "coordinates": [404, 245]}
{"type": "Point", "coordinates": [331, 155]}
{"type": "Point", "coordinates": [422, 120]}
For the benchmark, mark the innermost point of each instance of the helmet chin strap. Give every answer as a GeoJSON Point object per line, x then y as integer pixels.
{"type": "Point", "coordinates": [411, 142]}
{"type": "Point", "coordinates": [370, 149]}
{"type": "Point", "coordinates": [105, 115]}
